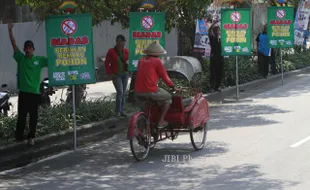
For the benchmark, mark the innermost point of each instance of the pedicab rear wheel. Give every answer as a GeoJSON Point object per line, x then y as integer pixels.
{"type": "Point", "coordinates": [201, 131]}
{"type": "Point", "coordinates": [143, 136]}
{"type": "Point", "coordinates": [154, 138]}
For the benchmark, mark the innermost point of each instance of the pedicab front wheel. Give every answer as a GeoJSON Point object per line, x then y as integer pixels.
{"type": "Point", "coordinates": [199, 136]}
{"type": "Point", "coordinates": [142, 139]}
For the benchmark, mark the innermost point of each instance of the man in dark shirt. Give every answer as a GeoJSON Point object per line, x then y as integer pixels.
{"type": "Point", "coordinates": [216, 58]}
{"type": "Point", "coordinates": [264, 52]}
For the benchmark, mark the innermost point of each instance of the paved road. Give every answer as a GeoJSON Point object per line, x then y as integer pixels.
{"type": "Point", "coordinates": [260, 145]}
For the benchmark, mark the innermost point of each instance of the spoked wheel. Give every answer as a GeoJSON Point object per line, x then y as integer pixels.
{"type": "Point", "coordinates": [154, 138]}
{"type": "Point", "coordinates": [199, 136]}
{"type": "Point", "coordinates": [174, 135]}
{"type": "Point", "coordinates": [152, 144]}
{"type": "Point", "coordinates": [140, 144]}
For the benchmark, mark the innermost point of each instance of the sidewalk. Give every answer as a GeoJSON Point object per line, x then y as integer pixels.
{"type": "Point", "coordinates": [97, 90]}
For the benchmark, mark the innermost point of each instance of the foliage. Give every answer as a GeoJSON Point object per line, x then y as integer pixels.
{"type": "Point", "coordinates": [179, 13]}
{"type": "Point", "coordinates": [100, 9]}
{"type": "Point", "coordinates": [59, 118]}
{"type": "Point", "coordinates": [247, 68]}
{"type": "Point", "coordinates": [294, 61]}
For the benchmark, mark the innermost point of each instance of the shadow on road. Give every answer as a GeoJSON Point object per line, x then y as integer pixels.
{"type": "Point", "coordinates": [241, 115]}
{"type": "Point", "coordinates": [294, 88]}
{"type": "Point", "coordinates": [111, 166]}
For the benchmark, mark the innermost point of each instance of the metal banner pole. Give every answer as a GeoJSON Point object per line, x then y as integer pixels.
{"type": "Point", "coordinates": [74, 109]}
{"type": "Point", "coordinates": [234, 100]}
{"type": "Point", "coordinates": [74, 115]}
{"type": "Point", "coordinates": [237, 79]}
{"type": "Point", "coordinates": [281, 65]}
{"type": "Point", "coordinates": [237, 69]}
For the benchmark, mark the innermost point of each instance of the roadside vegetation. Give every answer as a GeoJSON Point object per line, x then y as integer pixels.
{"type": "Point", "coordinates": [59, 117]}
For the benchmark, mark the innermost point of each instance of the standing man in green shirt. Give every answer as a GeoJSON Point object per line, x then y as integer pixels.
{"type": "Point", "coordinates": [29, 68]}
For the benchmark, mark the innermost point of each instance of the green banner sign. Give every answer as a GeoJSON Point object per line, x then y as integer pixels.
{"type": "Point", "coordinates": [145, 28]}
{"type": "Point", "coordinates": [236, 33]}
{"type": "Point", "coordinates": [280, 29]}
{"type": "Point", "coordinates": [69, 42]}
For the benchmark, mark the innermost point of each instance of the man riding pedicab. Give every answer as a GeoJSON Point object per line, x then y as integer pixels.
{"type": "Point", "coordinates": [150, 69]}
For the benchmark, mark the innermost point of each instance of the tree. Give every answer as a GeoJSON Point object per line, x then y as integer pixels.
{"type": "Point", "coordinates": [180, 14]}
{"type": "Point", "coordinates": [100, 9]}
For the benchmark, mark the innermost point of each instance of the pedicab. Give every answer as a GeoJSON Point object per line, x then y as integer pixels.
{"type": "Point", "coordinates": [185, 115]}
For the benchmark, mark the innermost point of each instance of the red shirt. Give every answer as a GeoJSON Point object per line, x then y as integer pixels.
{"type": "Point", "coordinates": [150, 69]}
{"type": "Point", "coordinates": [112, 59]}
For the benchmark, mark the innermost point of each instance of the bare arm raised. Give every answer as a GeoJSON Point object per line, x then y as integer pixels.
{"type": "Point", "coordinates": [10, 27]}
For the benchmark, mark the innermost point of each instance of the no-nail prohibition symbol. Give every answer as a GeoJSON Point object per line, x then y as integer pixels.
{"type": "Point", "coordinates": [68, 27]}
{"type": "Point", "coordinates": [235, 16]}
{"type": "Point", "coordinates": [147, 22]}
{"type": "Point", "coordinates": [280, 13]}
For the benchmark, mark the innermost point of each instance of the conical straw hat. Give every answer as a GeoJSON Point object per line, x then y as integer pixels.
{"type": "Point", "coordinates": [155, 49]}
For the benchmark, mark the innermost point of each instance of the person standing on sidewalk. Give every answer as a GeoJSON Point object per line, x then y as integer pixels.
{"type": "Point", "coordinates": [29, 69]}
{"type": "Point", "coordinates": [264, 52]}
{"type": "Point", "coordinates": [216, 58]}
{"type": "Point", "coordinates": [117, 67]}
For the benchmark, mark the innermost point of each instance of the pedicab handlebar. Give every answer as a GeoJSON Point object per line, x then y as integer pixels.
{"type": "Point", "coordinates": [176, 90]}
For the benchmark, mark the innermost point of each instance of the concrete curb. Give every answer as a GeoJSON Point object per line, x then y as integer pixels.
{"type": "Point", "coordinates": [18, 154]}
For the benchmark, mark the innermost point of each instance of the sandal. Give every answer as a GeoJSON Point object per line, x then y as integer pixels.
{"type": "Point", "coordinates": [163, 125]}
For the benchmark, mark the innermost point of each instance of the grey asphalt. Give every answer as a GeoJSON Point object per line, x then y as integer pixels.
{"type": "Point", "coordinates": [263, 144]}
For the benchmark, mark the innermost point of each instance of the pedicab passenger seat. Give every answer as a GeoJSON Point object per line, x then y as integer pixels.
{"type": "Point", "coordinates": [186, 102]}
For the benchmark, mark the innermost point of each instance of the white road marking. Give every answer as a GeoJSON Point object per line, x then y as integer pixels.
{"type": "Point", "coordinates": [300, 142]}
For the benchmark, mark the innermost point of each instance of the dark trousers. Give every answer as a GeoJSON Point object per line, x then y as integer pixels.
{"type": "Point", "coordinates": [27, 103]}
{"type": "Point", "coordinates": [263, 64]}
{"type": "Point", "coordinates": [216, 71]}
{"type": "Point", "coordinates": [273, 62]}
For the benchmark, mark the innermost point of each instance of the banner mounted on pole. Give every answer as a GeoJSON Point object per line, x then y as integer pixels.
{"type": "Point", "coordinates": [280, 30]}
{"type": "Point", "coordinates": [236, 36]}
{"type": "Point", "coordinates": [236, 32]}
{"type": "Point", "coordinates": [145, 28]}
{"type": "Point", "coordinates": [69, 42]}
{"type": "Point", "coordinates": [280, 27]}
